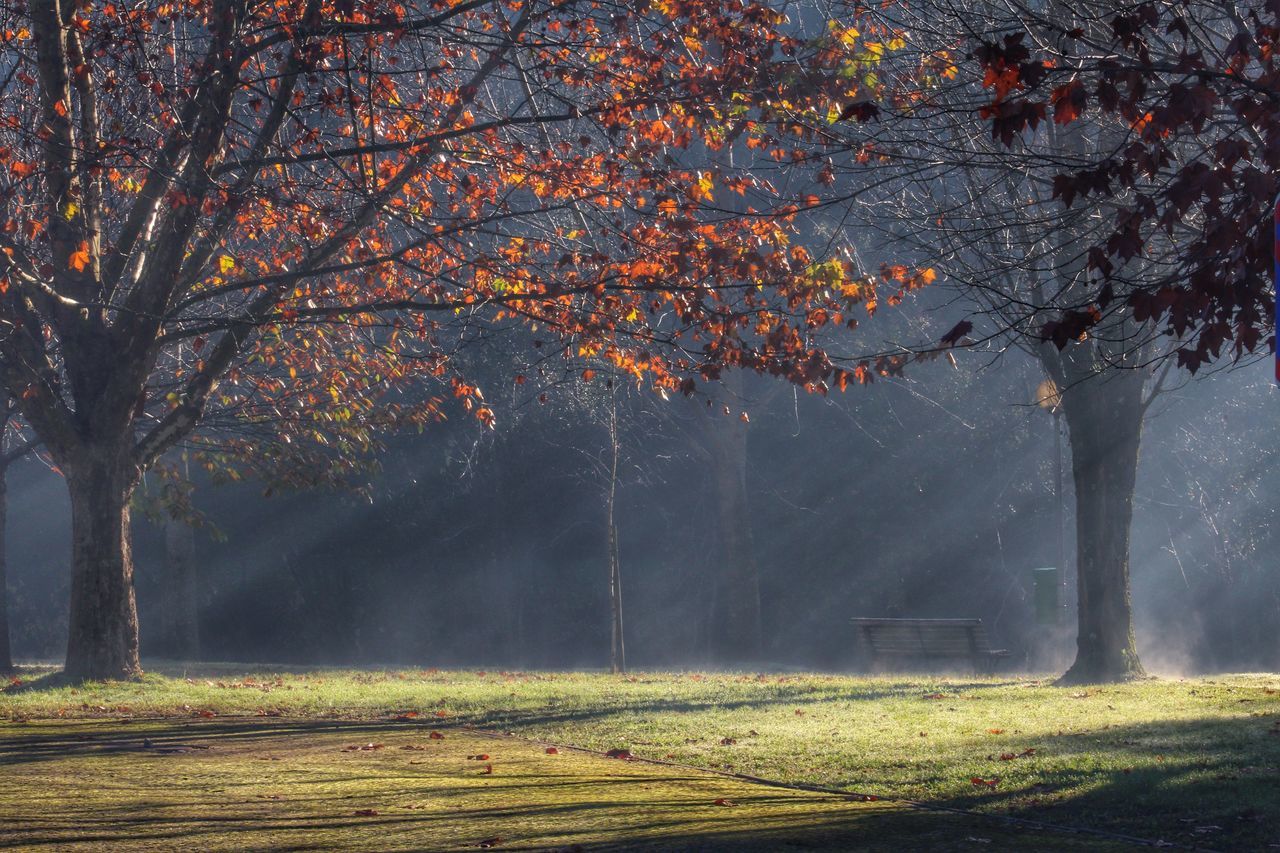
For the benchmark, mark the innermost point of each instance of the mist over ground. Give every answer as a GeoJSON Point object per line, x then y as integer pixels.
{"type": "Point", "coordinates": [926, 495]}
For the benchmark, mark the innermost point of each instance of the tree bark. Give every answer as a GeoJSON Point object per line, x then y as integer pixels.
{"type": "Point", "coordinates": [1104, 416]}
{"type": "Point", "coordinates": [103, 638]}
{"type": "Point", "coordinates": [6, 653]}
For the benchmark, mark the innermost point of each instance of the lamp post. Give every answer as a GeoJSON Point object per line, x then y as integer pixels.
{"type": "Point", "coordinates": [1049, 398]}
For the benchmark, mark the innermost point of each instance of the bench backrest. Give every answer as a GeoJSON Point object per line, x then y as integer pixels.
{"type": "Point", "coordinates": [925, 637]}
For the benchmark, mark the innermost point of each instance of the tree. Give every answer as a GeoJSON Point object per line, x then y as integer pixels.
{"type": "Point", "coordinates": [297, 212]}
{"type": "Point", "coordinates": [1184, 174]}
{"type": "Point", "coordinates": [954, 184]}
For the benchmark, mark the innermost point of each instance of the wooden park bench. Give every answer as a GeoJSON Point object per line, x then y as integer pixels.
{"type": "Point", "coordinates": [929, 641]}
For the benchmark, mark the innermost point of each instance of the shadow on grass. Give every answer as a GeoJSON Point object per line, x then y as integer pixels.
{"type": "Point", "coordinates": [1221, 798]}
{"type": "Point", "coordinates": [223, 804]}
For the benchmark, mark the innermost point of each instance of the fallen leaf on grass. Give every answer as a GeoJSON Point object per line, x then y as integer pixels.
{"type": "Point", "coordinates": [624, 754]}
{"type": "Point", "coordinates": [995, 731]}
{"type": "Point", "coordinates": [864, 798]}
{"type": "Point", "coordinates": [799, 713]}
{"type": "Point", "coordinates": [551, 750]}
{"type": "Point", "coordinates": [441, 714]}
{"type": "Point", "coordinates": [483, 756]}
{"type": "Point", "coordinates": [728, 741]}
{"type": "Point", "coordinates": [489, 842]}
{"type": "Point", "coordinates": [365, 813]}
{"type": "Point", "coordinates": [436, 736]}
{"type": "Point", "coordinates": [207, 714]}
{"type": "Point", "coordinates": [721, 801]}
{"type": "Point", "coordinates": [979, 782]}
{"type": "Point", "coordinates": [487, 771]}
{"type": "Point", "coordinates": [406, 717]}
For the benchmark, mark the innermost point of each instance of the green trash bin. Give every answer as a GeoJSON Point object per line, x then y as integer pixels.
{"type": "Point", "coordinates": [1048, 609]}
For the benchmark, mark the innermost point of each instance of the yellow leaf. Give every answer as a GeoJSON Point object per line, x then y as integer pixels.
{"type": "Point", "coordinates": [226, 263]}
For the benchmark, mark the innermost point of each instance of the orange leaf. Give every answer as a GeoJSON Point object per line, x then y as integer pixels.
{"type": "Point", "coordinates": [80, 258]}
{"type": "Point", "coordinates": [551, 750]}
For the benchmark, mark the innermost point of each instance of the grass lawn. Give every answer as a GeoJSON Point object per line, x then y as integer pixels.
{"type": "Point", "coordinates": [240, 760]}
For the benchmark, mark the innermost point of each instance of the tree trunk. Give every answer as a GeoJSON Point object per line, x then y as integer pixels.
{"type": "Point", "coordinates": [736, 635]}
{"type": "Point", "coordinates": [1104, 416]}
{"type": "Point", "coordinates": [617, 645]}
{"type": "Point", "coordinates": [6, 653]}
{"type": "Point", "coordinates": [103, 638]}
{"type": "Point", "coordinates": [181, 612]}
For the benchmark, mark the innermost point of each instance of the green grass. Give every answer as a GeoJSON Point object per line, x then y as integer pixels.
{"type": "Point", "coordinates": [1193, 762]}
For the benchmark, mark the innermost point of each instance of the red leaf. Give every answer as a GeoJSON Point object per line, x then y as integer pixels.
{"type": "Point", "coordinates": [551, 750]}
{"type": "Point", "coordinates": [436, 736]}
{"type": "Point", "coordinates": [721, 801]}
{"type": "Point", "coordinates": [624, 754]}
{"type": "Point", "coordinates": [487, 771]}
{"type": "Point", "coordinates": [989, 783]}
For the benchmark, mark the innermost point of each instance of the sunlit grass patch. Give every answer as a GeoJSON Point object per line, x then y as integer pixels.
{"type": "Point", "coordinates": [269, 784]}
{"type": "Point", "coordinates": [1194, 761]}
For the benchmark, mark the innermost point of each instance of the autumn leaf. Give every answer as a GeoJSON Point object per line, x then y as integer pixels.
{"type": "Point", "coordinates": [1068, 102]}
{"type": "Point", "coordinates": [551, 750]}
{"type": "Point", "coordinates": [487, 771]}
{"type": "Point", "coordinates": [624, 754]}
{"type": "Point", "coordinates": [436, 736]}
{"type": "Point", "coordinates": [483, 756]}
{"type": "Point", "coordinates": [80, 258]}
{"type": "Point", "coordinates": [958, 331]}
{"type": "Point", "coordinates": [721, 801]}
{"type": "Point", "coordinates": [980, 782]}
{"type": "Point", "coordinates": [365, 813]}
